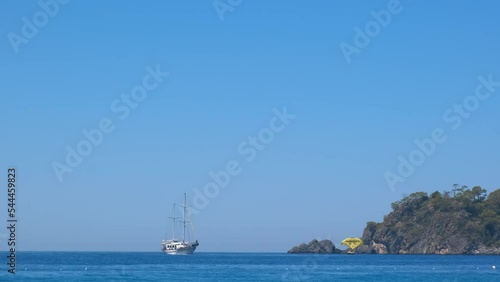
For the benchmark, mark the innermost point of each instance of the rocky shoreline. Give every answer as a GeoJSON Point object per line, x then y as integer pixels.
{"type": "Point", "coordinates": [327, 247]}
{"type": "Point", "coordinates": [315, 247]}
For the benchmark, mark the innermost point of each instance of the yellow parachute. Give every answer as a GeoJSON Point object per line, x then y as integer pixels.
{"type": "Point", "coordinates": [352, 243]}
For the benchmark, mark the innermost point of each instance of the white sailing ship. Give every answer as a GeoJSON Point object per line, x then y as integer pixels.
{"type": "Point", "coordinates": [180, 247]}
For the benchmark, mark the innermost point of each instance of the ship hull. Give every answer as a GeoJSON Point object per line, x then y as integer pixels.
{"type": "Point", "coordinates": [174, 247]}
{"type": "Point", "coordinates": [183, 251]}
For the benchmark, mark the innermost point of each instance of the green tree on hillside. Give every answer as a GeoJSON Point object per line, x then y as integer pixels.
{"type": "Point", "coordinates": [483, 210]}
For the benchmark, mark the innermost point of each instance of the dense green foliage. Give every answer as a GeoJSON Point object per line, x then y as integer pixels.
{"type": "Point", "coordinates": [475, 213]}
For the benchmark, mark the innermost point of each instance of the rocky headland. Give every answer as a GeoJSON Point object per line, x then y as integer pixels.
{"type": "Point", "coordinates": [461, 221]}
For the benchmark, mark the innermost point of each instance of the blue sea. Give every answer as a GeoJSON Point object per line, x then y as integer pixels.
{"type": "Point", "coordinates": [109, 266]}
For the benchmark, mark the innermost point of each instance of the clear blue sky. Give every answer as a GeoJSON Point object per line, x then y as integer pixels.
{"type": "Point", "coordinates": [321, 177]}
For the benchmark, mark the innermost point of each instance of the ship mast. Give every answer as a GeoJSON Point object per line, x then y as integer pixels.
{"type": "Point", "coordinates": [173, 219]}
{"type": "Point", "coordinates": [184, 219]}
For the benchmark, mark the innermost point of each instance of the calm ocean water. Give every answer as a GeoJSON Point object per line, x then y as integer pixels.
{"type": "Point", "coordinates": [107, 266]}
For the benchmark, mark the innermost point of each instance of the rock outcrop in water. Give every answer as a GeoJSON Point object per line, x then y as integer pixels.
{"type": "Point", "coordinates": [315, 247]}
{"type": "Point", "coordinates": [459, 222]}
